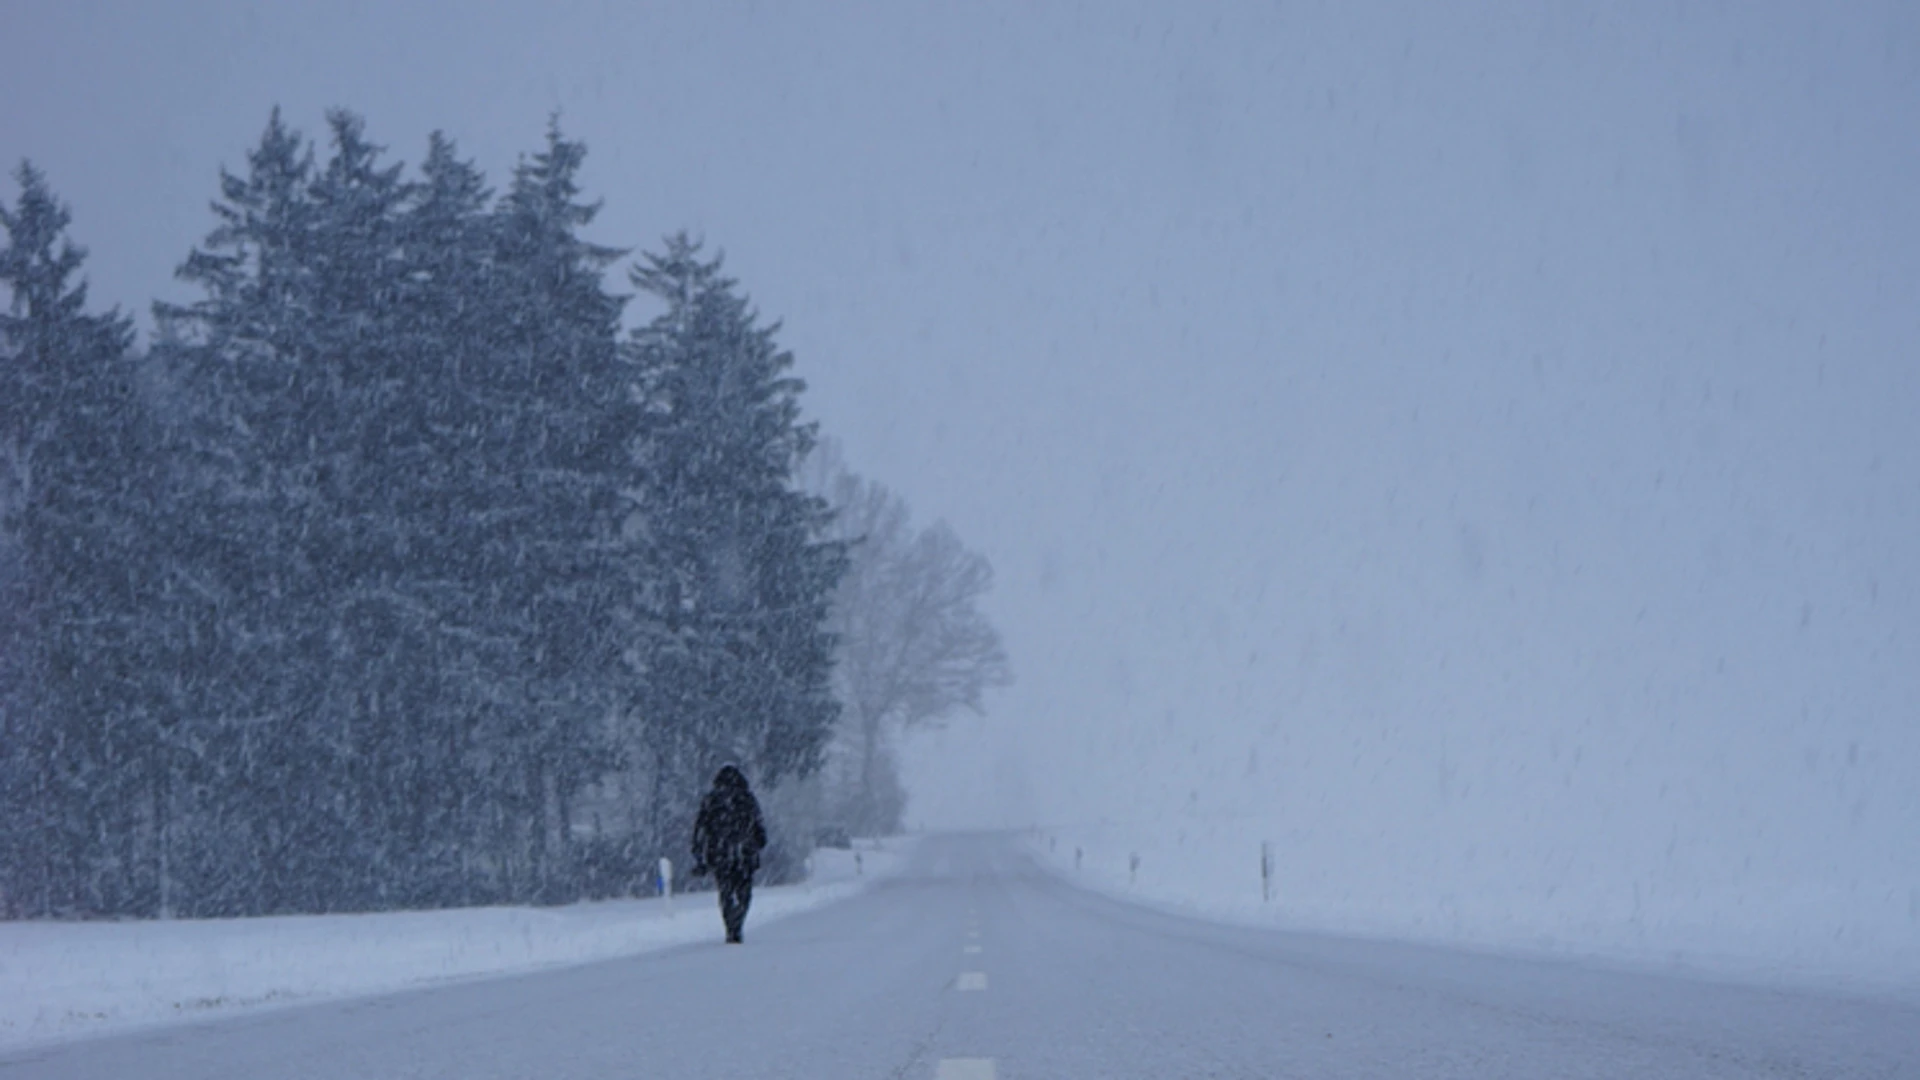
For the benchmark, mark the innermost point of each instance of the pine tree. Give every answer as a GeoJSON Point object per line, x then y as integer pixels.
{"type": "Point", "coordinates": [385, 637]}
{"type": "Point", "coordinates": [557, 465]}
{"type": "Point", "coordinates": [741, 669]}
{"type": "Point", "coordinates": [446, 333]}
{"type": "Point", "coordinates": [80, 738]}
{"type": "Point", "coordinates": [248, 357]}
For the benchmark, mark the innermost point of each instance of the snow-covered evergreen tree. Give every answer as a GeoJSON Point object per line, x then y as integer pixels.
{"type": "Point", "coordinates": [559, 468]}
{"type": "Point", "coordinates": [464, 677]}
{"type": "Point", "coordinates": [78, 483]}
{"type": "Point", "coordinates": [740, 670]}
{"type": "Point", "coordinates": [250, 358]}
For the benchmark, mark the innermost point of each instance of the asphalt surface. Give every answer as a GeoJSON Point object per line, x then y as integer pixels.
{"type": "Point", "coordinates": [975, 963]}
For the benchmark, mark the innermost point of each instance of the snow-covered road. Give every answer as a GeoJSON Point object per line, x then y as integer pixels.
{"type": "Point", "coordinates": [973, 962]}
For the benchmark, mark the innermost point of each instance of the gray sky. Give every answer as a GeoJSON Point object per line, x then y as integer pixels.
{"type": "Point", "coordinates": [1407, 396]}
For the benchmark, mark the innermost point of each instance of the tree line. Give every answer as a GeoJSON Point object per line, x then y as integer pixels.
{"type": "Point", "coordinates": [394, 572]}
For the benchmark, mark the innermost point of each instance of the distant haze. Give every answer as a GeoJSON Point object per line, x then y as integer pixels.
{"type": "Point", "coordinates": [1496, 421]}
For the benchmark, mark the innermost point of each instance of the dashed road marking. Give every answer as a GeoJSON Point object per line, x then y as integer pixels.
{"type": "Point", "coordinates": [971, 949]}
{"type": "Point", "coordinates": [973, 933]}
{"type": "Point", "coordinates": [964, 1069]}
{"type": "Point", "coordinates": [972, 980]}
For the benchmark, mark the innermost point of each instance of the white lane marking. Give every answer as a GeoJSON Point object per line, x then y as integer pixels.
{"type": "Point", "coordinates": [964, 1069]}
{"type": "Point", "coordinates": [972, 980]}
{"type": "Point", "coordinates": [973, 933]}
{"type": "Point", "coordinates": [971, 950]}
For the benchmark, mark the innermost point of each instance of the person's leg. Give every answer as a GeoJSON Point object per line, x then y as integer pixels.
{"type": "Point", "coordinates": [733, 909]}
{"type": "Point", "coordinates": [723, 891]}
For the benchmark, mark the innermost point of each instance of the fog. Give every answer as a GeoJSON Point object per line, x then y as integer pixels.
{"type": "Point", "coordinates": [1484, 432]}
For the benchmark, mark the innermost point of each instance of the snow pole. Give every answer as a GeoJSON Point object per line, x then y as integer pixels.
{"type": "Point", "coordinates": [666, 882]}
{"type": "Point", "coordinates": [1266, 871]}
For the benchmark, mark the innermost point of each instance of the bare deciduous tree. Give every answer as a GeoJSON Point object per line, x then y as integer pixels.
{"type": "Point", "coordinates": [913, 645]}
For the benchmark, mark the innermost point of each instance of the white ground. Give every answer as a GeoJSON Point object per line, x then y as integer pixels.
{"type": "Point", "coordinates": [64, 980]}
{"type": "Point", "coordinates": [1862, 936]}
{"type": "Point", "coordinates": [972, 963]}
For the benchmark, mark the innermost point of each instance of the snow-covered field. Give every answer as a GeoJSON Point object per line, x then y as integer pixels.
{"type": "Point", "coordinates": [61, 980]}
{"type": "Point", "coordinates": [1864, 937]}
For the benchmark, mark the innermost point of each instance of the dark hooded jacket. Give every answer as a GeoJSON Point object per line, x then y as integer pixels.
{"type": "Point", "coordinates": [729, 834]}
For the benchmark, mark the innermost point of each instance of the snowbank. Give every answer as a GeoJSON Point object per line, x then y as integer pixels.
{"type": "Point", "coordinates": [60, 980]}
{"type": "Point", "coordinates": [1864, 936]}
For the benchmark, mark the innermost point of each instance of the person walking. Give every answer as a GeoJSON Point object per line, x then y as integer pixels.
{"type": "Point", "coordinates": [727, 839]}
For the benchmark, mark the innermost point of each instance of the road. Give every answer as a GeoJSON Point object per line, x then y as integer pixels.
{"type": "Point", "coordinates": [975, 963]}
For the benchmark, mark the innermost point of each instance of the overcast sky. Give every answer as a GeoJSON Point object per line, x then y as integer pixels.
{"type": "Point", "coordinates": [1303, 368]}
